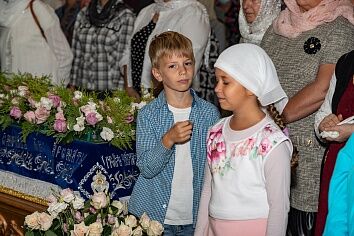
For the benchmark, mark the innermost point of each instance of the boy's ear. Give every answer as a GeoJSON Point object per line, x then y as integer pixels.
{"type": "Point", "coordinates": [156, 73]}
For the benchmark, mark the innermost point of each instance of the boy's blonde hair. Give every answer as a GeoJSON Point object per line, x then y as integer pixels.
{"type": "Point", "coordinates": [169, 43]}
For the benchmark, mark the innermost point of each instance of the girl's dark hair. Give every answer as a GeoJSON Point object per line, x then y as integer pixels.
{"type": "Point", "coordinates": [274, 113]}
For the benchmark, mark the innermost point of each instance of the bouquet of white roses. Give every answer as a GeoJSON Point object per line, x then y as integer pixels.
{"type": "Point", "coordinates": [69, 214]}
{"type": "Point", "coordinates": [37, 106]}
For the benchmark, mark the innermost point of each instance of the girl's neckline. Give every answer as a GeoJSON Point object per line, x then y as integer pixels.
{"type": "Point", "coordinates": [238, 135]}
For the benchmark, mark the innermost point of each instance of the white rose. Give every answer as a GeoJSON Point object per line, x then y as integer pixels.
{"type": "Point", "coordinates": [13, 91]}
{"type": "Point", "coordinates": [45, 221]}
{"type": "Point", "coordinates": [99, 200]}
{"type": "Point", "coordinates": [95, 229]}
{"type": "Point", "coordinates": [144, 221]}
{"type": "Point", "coordinates": [88, 108]}
{"type": "Point", "coordinates": [78, 203]}
{"type": "Point", "coordinates": [32, 221]}
{"type": "Point", "coordinates": [77, 95]}
{"type": "Point", "coordinates": [80, 120]}
{"type": "Point", "coordinates": [138, 231]}
{"type": "Point", "coordinates": [124, 230]}
{"type": "Point", "coordinates": [155, 228]}
{"type": "Point", "coordinates": [47, 103]}
{"type": "Point", "coordinates": [107, 134]}
{"type": "Point", "coordinates": [99, 116]}
{"type": "Point", "coordinates": [67, 195]}
{"type": "Point", "coordinates": [79, 229]}
{"type": "Point", "coordinates": [119, 205]}
{"type": "Point", "coordinates": [15, 101]}
{"type": "Point", "coordinates": [130, 221]}
{"type": "Point", "coordinates": [78, 127]}
{"type": "Point", "coordinates": [22, 91]}
{"type": "Point", "coordinates": [55, 209]}
{"type": "Point", "coordinates": [141, 105]}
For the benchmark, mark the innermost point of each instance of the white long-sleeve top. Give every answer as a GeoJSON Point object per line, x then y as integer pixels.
{"type": "Point", "coordinates": [24, 49]}
{"type": "Point", "coordinates": [187, 17]}
{"type": "Point", "coordinates": [276, 181]}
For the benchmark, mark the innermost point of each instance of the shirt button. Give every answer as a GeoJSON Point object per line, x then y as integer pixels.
{"type": "Point", "coordinates": [164, 206]}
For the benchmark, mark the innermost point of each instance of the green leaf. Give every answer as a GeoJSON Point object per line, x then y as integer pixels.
{"type": "Point", "coordinates": [107, 230]}
{"type": "Point", "coordinates": [50, 233]}
{"type": "Point", "coordinates": [29, 233]}
{"type": "Point", "coordinates": [90, 219]}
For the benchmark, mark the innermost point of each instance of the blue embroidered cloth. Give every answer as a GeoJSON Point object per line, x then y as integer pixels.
{"type": "Point", "coordinates": [68, 165]}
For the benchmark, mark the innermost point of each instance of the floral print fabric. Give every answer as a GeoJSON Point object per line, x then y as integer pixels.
{"type": "Point", "coordinates": [221, 155]}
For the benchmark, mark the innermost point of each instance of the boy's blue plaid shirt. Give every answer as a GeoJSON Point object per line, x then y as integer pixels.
{"type": "Point", "coordinates": [152, 190]}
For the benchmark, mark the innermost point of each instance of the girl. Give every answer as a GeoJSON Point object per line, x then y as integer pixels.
{"type": "Point", "coordinates": [247, 184]}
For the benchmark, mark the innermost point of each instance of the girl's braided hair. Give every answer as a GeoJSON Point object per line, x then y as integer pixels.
{"type": "Point", "coordinates": [274, 113]}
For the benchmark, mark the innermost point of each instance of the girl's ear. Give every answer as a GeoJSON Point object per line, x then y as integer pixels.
{"type": "Point", "coordinates": [156, 73]}
{"type": "Point", "coordinates": [249, 93]}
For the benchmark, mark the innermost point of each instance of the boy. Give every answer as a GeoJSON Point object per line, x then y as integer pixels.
{"type": "Point", "coordinates": [171, 140]}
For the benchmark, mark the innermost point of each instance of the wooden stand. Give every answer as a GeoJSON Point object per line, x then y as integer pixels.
{"type": "Point", "coordinates": [14, 206]}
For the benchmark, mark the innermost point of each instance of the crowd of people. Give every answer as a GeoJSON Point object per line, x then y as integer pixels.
{"type": "Point", "coordinates": [279, 162]}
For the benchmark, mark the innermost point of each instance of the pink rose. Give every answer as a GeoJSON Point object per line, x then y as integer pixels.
{"type": "Point", "coordinates": [55, 99]}
{"type": "Point", "coordinates": [30, 117]}
{"type": "Point", "coordinates": [78, 216]}
{"type": "Point", "coordinates": [42, 114]}
{"type": "Point", "coordinates": [45, 221]}
{"type": "Point", "coordinates": [52, 199]}
{"type": "Point", "coordinates": [60, 116]}
{"type": "Point", "coordinates": [60, 126]}
{"type": "Point", "coordinates": [265, 146]}
{"type": "Point", "coordinates": [129, 119]}
{"type": "Point", "coordinates": [32, 102]}
{"type": "Point", "coordinates": [99, 200]}
{"type": "Point", "coordinates": [91, 118]}
{"type": "Point", "coordinates": [16, 112]}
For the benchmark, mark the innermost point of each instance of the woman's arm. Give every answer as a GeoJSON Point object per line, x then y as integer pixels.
{"type": "Point", "coordinates": [309, 99]}
{"type": "Point", "coordinates": [62, 51]}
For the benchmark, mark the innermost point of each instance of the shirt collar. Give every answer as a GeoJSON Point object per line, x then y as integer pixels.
{"type": "Point", "coordinates": [161, 99]}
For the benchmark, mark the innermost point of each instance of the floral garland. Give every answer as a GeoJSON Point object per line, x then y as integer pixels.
{"type": "Point", "coordinates": [69, 214]}
{"type": "Point", "coordinates": [36, 106]}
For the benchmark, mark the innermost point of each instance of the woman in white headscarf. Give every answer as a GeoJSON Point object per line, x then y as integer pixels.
{"type": "Point", "coordinates": [255, 17]}
{"type": "Point", "coordinates": [188, 17]}
{"type": "Point", "coordinates": [247, 181]}
{"type": "Point", "coordinates": [31, 40]}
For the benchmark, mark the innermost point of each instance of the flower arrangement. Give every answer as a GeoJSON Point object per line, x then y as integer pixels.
{"type": "Point", "coordinates": [69, 214]}
{"type": "Point", "coordinates": [37, 106]}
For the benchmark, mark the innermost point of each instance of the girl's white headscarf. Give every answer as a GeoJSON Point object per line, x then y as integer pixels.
{"type": "Point", "coordinates": [250, 65]}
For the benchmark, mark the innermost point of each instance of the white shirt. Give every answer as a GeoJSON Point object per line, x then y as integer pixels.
{"type": "Point", "coordinates": [189, 18]}
{"type": "Point", "coordinates": [23, 48]}
{"type": "Point", "coordinates": [179, 210]}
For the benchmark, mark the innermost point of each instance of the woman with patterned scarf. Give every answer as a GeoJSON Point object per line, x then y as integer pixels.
{"type": "Point", "coordinates": [305, 41]}
{"type": "Point", "coordinates": [255, 17]}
